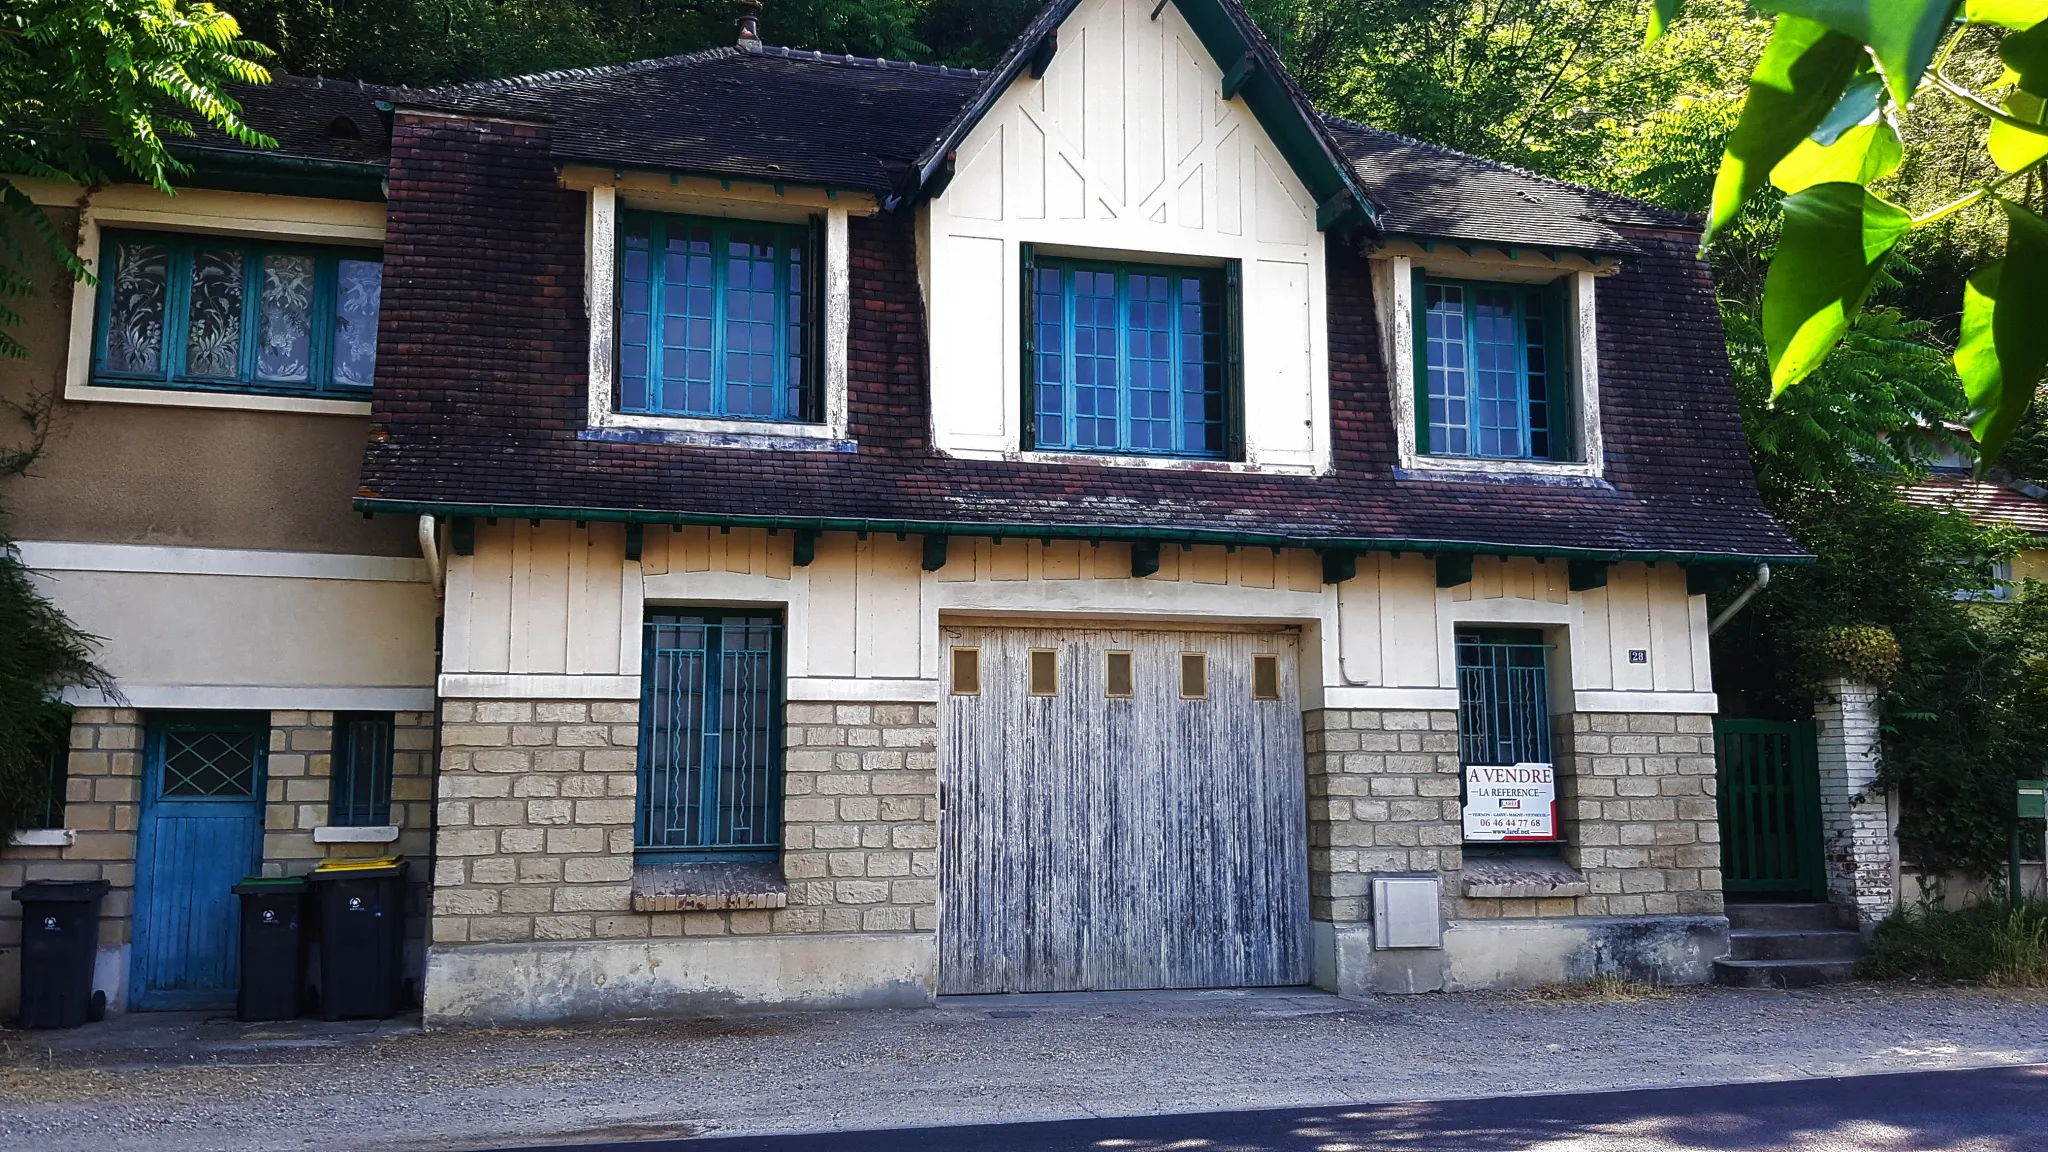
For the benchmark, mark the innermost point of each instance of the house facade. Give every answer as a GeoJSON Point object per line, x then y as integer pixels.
{"type": "Point", "coordinates": [840, 532]}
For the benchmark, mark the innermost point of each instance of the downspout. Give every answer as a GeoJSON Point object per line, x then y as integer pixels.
{"type": "Point", "coordinates": [1763, 579]}
{"type": "Point", "coordinates": [430, 548]}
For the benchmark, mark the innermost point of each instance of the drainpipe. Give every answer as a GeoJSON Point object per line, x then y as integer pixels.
{"type": "Point", "coordinates": [431, 549]}
{"type": "Point", "coordinates": [1763, 579]}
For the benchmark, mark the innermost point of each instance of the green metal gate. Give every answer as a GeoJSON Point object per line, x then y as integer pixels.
{"type": "Point", "coordinates": [1770, 808]}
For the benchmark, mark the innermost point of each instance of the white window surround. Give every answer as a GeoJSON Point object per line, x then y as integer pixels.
{"type": "Point", "coordinates": [602, 302]}
{"type": "Point", "coordinates": [241, 214]}
{"type": "Point", "coordinates": [356, 834]}
{"type": "Point", "coordinates": [1394, 286]}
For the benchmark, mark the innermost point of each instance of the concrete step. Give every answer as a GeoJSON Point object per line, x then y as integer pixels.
{"type": "Point", "coordinates": [1783, 917]}
{"type": "Point", "coordinates": [1768, 944]}
{"type": "Point", "coordinates": [1782, 973]}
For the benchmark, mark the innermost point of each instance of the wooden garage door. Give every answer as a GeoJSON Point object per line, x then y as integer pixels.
{"type": "Point", "coordinates": [1106, 831]}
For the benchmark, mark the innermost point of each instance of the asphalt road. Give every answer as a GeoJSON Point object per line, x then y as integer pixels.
{"type": "Point", "coordinates": [1985, 1110]}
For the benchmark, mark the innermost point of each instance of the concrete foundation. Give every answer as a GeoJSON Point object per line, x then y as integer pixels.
{"type": "Point", "coordinates": [1481, 954]}
{"type": "Point", "coordinates": [535, 983]}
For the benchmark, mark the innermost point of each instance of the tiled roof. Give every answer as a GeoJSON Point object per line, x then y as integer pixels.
{"type": "Point", "coordinates": [482, 389]}
{"type": "Point", "coordinates": [310, 119]}
{"type": "Point", "coordinates": [1983, 502]}
{"type": "Point", "coordinates": [761, 113]}
{"type": "Point", "coordinates": [1426, 190]}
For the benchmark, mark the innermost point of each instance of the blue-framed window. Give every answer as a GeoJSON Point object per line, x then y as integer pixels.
{"type": "Point", "coordinates": [360, 792]}
{"type": "Point", "coordinates": [212, 313]}
{"type": "Point", "coordinates": [711, 737]}
{"type": "Point", "coordinates": [1490, 373]}
{"type": "Point", "coordinates": [1133, 359]}
{"type": "Point", "coordinates": [716, 318]}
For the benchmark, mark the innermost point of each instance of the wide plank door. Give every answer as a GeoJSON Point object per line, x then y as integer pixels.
{"type": "Point", "coordinates": [1121, 810]}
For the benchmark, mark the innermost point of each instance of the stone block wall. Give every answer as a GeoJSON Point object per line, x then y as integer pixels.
{"type": "Point", "coordinates": [1636, 804]}
{"type": "Point", "coordinates": [299, 789]}
{"type": "Point", "coordinates": [537, 806]}
{"type": "Point", "coordinates": [102, 803]}
{"type": "Point", "coordinates": [1382, 797]}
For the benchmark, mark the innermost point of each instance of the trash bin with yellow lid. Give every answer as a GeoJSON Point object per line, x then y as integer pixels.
{"type": "Point", "coordinates": [362, 937]}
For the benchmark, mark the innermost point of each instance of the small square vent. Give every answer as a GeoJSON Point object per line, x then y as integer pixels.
{"type": "Point", "coordinates": [1406, 912]}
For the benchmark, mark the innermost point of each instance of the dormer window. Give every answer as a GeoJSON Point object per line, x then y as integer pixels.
{"type": "Point", "coordinates": [715, 319]}
{"type": "Point", "coordinates": [1130, 359]}
{"type": "Point", "coordinates": [1491, 384]}
{"type": "Point", "coordinates": [1492, 364]}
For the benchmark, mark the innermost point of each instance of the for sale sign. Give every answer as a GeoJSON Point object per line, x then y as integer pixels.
{"type": "Point", "coordinates": [1510, 802]}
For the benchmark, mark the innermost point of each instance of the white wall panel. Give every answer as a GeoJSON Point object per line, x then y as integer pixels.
{"type": "Point", "coordinates": [1125, 149]}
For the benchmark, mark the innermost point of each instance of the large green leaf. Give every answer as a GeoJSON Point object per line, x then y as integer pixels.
{"type": "Point", "coordinates": [1858, 101]}
{"type": "Point", "coordinates": [1835, 239]}
{"type": "Point", "coordinates": [1864, 153]}
{"type": "Point", "coordinates": [2003, 353]}
{"type": "Point", "coordinates": [2006, 13]}
{"type": "Point", "coordinates": [1662, 13]}
{"type": "Point", "coordinates": [1902, 34]}
{"type": "Point", "coordinates": [2026, 53]}
{"type": "Point", "coordinates": [1797, 83]}
{"type": "Point", "coordinates": [2013, 148]}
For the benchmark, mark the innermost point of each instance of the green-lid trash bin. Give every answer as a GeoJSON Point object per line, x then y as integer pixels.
{"type": "Point", "coordinates": [361, 907]}
{"type": "Point", "coordinates": [273, 947]}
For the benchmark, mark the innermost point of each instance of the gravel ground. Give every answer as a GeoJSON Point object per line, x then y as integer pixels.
{"type": "Point", "coordinates": [198, 1082]}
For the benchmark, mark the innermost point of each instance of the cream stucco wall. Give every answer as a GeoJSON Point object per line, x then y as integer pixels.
{"type": "Point", "coordinates": [1125, 149]}
{"type": "Point", "coordinates": [224, 628]}
{"type": "Point", "coordinates": [554, 611]}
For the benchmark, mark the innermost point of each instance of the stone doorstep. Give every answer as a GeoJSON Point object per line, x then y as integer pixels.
{"type": "Point", "coordinates": [1522, 878]}
{"type": "Point", "coordinates": [710, 887]}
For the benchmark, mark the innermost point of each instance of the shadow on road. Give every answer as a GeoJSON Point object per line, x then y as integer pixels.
{"type": "Point", "coordinates": [1990, 1110]}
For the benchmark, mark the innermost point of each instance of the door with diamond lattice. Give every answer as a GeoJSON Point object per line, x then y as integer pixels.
{"type": "Point", "coordinates": [202, 831]}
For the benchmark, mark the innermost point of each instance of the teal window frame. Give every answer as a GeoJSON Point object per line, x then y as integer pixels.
{"type": "Point", "coordinates": [1052, 412]}
{"type": "Point", "coordinates": [1461, 423]}
{"type": "Point", "coordinates": [649, 388]}
{"type": "Point", "coordinates": [170, 373]}
{"type": "Point", "coordinates": [711, 736]}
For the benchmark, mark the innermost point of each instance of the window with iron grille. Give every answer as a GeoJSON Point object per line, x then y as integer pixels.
{"type": "Point", "coordinates": [209, 755]}
{"type": "Point", "coordinates": [1503, 697]}
{"type": "Point", "coordinates": [716, 318]}
{"type": "Point", "coordinates": [361, 796]}
{"type": "Point", "coordinates": [1136, 359]}
{"type": "Point", "coordinates": [711, 737]}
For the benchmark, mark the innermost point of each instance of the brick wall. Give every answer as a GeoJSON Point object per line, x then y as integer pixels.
{"type": "Point", "coordinates": [537, 813]}
{"type": "Point", "coordinates": [1635, 803]}
{"type": "Point", "coordinates": [1860, 853]}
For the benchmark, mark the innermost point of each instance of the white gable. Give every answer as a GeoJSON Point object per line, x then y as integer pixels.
{"type": "Point", "coordinates": [1125, 149]}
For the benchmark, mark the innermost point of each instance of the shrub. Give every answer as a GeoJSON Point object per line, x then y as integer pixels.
{"type": "Point", "coordinates": [1985, 942]}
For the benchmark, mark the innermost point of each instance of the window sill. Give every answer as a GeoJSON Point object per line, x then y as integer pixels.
{"type": "Point", "coordinates": [238, 401]}
{"type": "Point", "coordinates": [725, 434]}
{"type": "Point", "coordinates": [365, 834]}
{"type": "Point", "coordinates": [1522, 878]}
{"type": "Point", "coordinates": [1560, 473]}
{"type": "Point", "coordinates": [709, 887]}
{"type": "Point", "coordinates": [44, 838]}
{"type": "Point", "coordinates": [1176, 463]}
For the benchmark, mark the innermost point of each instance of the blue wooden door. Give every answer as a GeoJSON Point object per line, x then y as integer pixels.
{"type": "Point", "coordinates": [202, 830]}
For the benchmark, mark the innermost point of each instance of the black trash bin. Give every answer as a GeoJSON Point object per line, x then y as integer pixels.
{"type": "Point", "coordinates": [60, 939]}
{"type": "Point", "coordinates": [362, 937]}
{"type": "Point", "coordinates": [272, 948]}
